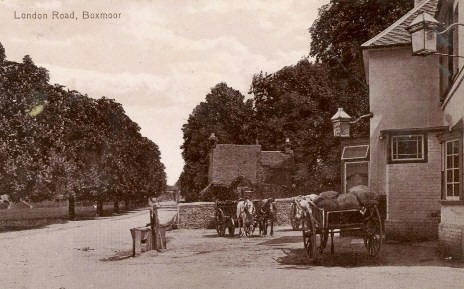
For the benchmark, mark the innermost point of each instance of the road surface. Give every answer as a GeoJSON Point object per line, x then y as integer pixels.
{"type": "Point", "coordinates": [96, 254]}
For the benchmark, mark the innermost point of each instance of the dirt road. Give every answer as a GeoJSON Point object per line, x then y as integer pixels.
{"type": "Point", "coordinates": [95, 254]}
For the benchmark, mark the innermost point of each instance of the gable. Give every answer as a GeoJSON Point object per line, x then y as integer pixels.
{"type": "Point", "coordinates": [396, 34]}
{"type": "Point", "coordinates": [274, 159]}
{"type": "Point", "coordinates": [230, 161]}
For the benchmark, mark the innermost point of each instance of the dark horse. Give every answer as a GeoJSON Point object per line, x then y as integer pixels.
{"type": "Point", "coordinates": [266, 216]}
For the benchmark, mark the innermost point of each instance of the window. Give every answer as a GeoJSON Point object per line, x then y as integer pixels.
{"type": "Point", "coordinates": [407, 148]}
{"type": "Point", "coordinates": [355, 152]}
{"type": "Point", "coordinates": [452, 170]}
{"type": "Point", "coordinates": [355, 174]}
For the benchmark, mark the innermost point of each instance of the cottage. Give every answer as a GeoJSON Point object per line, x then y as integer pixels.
{"type": "Point", "coordinates": [416, 132]}
{"type": "Point", "coordinates": [270, 170]}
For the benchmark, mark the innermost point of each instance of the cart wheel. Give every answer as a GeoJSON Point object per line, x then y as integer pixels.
{"type": "Point", "coordinates": [309, 238]}
{"type": "Point", "coordinates": [220, 228]}
{"type": "Point", "coordinates": [373, 232]}
{"type": "Point", "coordinates": [231, 228]}
{"type": "Point", "coordinates": [324, 238]}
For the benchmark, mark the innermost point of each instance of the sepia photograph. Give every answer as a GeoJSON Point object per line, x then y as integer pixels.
{"type": "Point", "coordinates": [190, 144]}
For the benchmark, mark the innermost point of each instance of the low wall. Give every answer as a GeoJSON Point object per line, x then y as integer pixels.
{"type": "Point", "coordinates": [196, 215]}
{"type": "Point", "coordinates": [451, 229]}
{"type": "Point", "coordinates": [201, 214]}
{"type": "Point", "coordinates": [283, 207]}
{"type": "Point", "coordinates": [45, 213]}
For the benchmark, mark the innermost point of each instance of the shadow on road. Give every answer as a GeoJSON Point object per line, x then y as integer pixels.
{"type": "Point", "coordinates": [121, 255]}
{"type": "Point", "coordinates": [283, 240]}
{"type": "Point", "coordinates": [390, 255]}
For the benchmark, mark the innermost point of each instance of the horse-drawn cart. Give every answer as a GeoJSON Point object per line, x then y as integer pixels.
{"type": "Point", "coordinates": [321, 222]}
{"type": "Point", "coordinates": [225, 217]}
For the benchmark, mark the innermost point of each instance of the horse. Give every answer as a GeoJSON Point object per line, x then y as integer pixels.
{"type": "Point", "coordinates": [267, 215]}
{"type": "Point", "coordinates": [300, 207]}
{"type": "Point", "coordinates": [296, 215]}
{"type": "Point", "coordinates": [245, 216]}
{"type": "Point", "coordinates": [5, 202]}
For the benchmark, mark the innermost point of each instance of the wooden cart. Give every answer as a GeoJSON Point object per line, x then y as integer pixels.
{"type": "Point", "coordinates": [225, 217]}
{"type": "Point", "coordinates": [322, 223]}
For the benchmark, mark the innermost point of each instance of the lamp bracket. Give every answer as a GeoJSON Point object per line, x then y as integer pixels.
{"type": "Point", "coordinates": [449, 55]}
{"type": "Point", "coordinates": [449, 27]}
{"type": "Point", "coordinates": [369, 115]}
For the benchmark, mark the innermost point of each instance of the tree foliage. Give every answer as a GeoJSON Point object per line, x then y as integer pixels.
{"type": "Point", "coordinates": [224, 113]}
{"type": "Point", "coordinates": [297, 102]}
{"type": "Point", "coordinates": [336, 38]}
{"type": "Point", "coordinates": [55, 142]}
{"type": "Point", "coordinates": [342, 26]}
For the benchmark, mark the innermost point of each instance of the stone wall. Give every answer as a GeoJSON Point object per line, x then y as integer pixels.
{"type": "Point", "coordinates": [200, 215]}
{"type": "Point", "coordinates": [451, 229]}
{"type": "Point", "coordinates": [283, 207]}
{"type": "Point", "coordinates": [196, 215]}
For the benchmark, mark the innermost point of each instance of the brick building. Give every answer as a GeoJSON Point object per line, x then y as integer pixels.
{"type": "Point", "coordinates": [416, 132]}
{"type": "Point", "coordinates": [270, 170]}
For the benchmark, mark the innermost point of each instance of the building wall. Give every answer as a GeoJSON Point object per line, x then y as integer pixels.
{"type": "Point", "coordinates": [229, 161]}
{"type": "Point", "coordinates": [413, 196]}
{"type": "Point", "coordinates": [451, 230]}
{"type": "Point", "coordinates": [398, 102]}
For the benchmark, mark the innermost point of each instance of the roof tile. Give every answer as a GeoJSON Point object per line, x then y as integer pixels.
{"type": "Point", "coordinates": [396, 34]}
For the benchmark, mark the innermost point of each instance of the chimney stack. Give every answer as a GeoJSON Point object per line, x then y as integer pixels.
{"type": "Point", "coordinates": [212, 140]}
{"type": "Point", "coordinates": [288, 146]}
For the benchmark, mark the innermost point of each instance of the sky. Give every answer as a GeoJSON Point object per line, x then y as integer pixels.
{"type": "Point", "coordinates": [158, 58]}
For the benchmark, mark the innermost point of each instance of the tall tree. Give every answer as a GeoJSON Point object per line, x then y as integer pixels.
{"type": "Point", "coordinates": [297, 102]}
{"type": "Point", "coordinates": [224, 113]}
{"type": "Point", "coordinates": [58, 142]}
{"type": "Point", "coordinates": [2, 53]}
{"type": "Point", "coordinates": [336, 38]}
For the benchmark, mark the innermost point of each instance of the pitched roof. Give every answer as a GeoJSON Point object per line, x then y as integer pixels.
{"type": "Point", "coordinates": [230, 161]}
{"type": "Point", "coordinates": [274, 159]}
{"type": "Point", "coordinates": [340, 114]}
{"type": "Point", "coordinates": [396, 34]}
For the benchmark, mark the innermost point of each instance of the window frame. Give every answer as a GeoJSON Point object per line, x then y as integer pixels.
{"type": "Point", "coordinates": [446, 169]}
{"type": "Point", "coordinates": [451, 135]}
{"type": "Point", "coordinates": [392, 136]}
{"type": "Point", "coordinates": [355, 158]}
{"type": "Point", "coordinates": [345, 166]}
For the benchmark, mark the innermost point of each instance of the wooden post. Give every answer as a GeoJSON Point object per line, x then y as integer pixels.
{"type": "Point", "coordinates": [71, 207]}
{"type": "Point", "coordinates": [158, 240]}
{"type": "Point", "coordinates": [116, 206]}
{"type": "Point", "coordinates": [100, 207]}
{"type": "Point", "coordinates": [152, 226]}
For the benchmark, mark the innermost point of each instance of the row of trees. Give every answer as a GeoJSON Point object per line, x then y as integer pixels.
{"type": "Point", "coordinates": [59, 143]}
{"type": "Point", "coordinates": [295, 102]}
